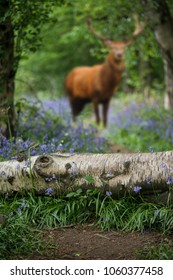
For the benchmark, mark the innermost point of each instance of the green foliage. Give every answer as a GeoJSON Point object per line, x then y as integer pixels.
{"type": "Point", "coordinates": [89, 179]}
{"type": "Point", "coordinates": [18, 237]}
{"type": "Point", "coordinates": [27, 18]}
{"type": "Point", "coordinates": [164, 251]}
{"type": "Point", "coordinates": [67, 43]}
{"type": "Point", "coordinates": [139, 125]}
{"type": "Point", "coordinates": [23, 214]}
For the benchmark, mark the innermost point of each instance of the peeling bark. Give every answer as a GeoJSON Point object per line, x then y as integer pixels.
{"type": "Point", "coordinates": [118, 173]}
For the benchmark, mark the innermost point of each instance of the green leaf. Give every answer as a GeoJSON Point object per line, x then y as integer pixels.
{"type": "Point", "coordinates": [89, 179]}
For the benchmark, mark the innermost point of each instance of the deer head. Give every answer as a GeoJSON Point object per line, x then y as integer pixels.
{"type": "Point", "coordinates": [117, 48]}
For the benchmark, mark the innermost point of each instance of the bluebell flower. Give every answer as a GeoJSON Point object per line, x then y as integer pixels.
{"type": "Point", "coordinates": [149, 180]}
{"type": "Point", "coordinates": [48, 191]}
{"type": "Point", "coordinates": [60, 147]}
{"type": "Point", "coordinates": [156, 212]}
{"type": "Point", "coordinates": [19, 211]}
{"type": "Point", "coordinates": [170, 180]}
{"type": "Point", "coordinates": [151, 149]}
{"type": "Point", "coordinates": [108, 193]}
{"type": "Point", "coordinates": [110, 172]}
{"type": "Point", "coordinates": [137, 189]}
{"type": "Point", "coordinates": [23, 203]}
{"type": "Point", "coordinates": [27, 163]}
{"type": "Point", "coordinates": [164, 166]}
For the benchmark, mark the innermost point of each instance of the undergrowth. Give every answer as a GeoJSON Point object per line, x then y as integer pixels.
{"type": "Point", "coordinates": [26, 217]}
{"type": "Point", "coordinates": [139, 124]}
{"type": "Point", "coordinates": [47, 128]}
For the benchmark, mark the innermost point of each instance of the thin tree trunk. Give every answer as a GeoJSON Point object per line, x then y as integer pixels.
{"type": "Point", "coordinates": [144, 173]}
{"type": "Point", "coordinates": [164, 37]}
{"type": "Point", "coordinates": [7, 72]}
{"type": "Point", "coordinates": [168, 66]}
{"type": "Point", "coordinates": [159, 15]}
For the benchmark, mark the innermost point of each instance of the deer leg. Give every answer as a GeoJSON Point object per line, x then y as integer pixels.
{"type": "Point", "coordinates": [96, 111]}
{"type": "Point", "coordinates": [105, 112]}
{"type": "Point", "coordinates": [77, 106]}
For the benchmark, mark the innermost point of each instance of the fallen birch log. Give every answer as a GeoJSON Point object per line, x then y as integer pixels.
{"type": "Point", "coordinates": [144, 173]}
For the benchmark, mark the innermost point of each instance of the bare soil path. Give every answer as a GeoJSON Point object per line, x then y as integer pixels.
{"type": "Point", "coordinates": [86, 242]}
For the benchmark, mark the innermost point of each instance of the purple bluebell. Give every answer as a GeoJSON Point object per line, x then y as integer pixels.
{"type": "Point", "coordinates": [137, 189]}
{"type": "Point", "coordinates": [156, 212]}
{"type": "Point", "coordinates": [149, 180]}
{"type": "Point", "coordinates": [19, 211]}
{"type": "Point", "coordinates": [48, 191]}
{"type": "Point", "coordinates": [170, 180]}
{"type": "Point", "coordinates": [151, 149]}
{"type": "Point", "coordinates": [108, 193]}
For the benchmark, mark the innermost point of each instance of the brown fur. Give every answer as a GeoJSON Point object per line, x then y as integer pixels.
{"type": "Point", "coordinates": [97, 83]}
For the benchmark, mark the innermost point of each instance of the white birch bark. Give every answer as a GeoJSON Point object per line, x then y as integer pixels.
{"type": "Point", "coordinates": [159, 14]}
{"type": "Point", "coordinates": [118, 173]}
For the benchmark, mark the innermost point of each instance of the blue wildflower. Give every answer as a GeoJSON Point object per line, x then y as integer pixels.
{"type": "Point", "coordinates": [19, 211]}
{"type": "Point", "coordinates": [151, 149]}
{"type": "Point", "coordinates": [170, 180]}
{"type": "Point", "coordinates": [149, 180]}
{"type": "Point", "coordinates": [110, 172]}
{"type": "Point", "coordinates": [108, 193]}
{"type": "Point", "coordinates": [23, 204]}
{"type": "Point", "coordinates": [137, 189]}
{"type": "Point", "coordinates": [156, 212]}
{"type": "Point", "coordinates": [164, 166]}
{"type": "Point", "coordinates": [60, 147]}
{"type": "Point", "coordinates": [27, 163]}
{"type": "Point", "coordinates": [48, 191]}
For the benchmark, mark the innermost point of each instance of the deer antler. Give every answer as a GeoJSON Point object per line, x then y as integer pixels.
{"type": "Point", "coordinates": [98, 35]}
{"type": "Point", "coordinates": [139, 26]}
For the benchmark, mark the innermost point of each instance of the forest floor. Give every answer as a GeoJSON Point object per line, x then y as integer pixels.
{"type": "Point", "coordinates": [86, 242]}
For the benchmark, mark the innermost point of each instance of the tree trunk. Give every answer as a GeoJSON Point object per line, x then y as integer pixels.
{"type": "Point", "coordinates": [120, 174]}
{"type": "Point", "coordinates": [159, 15]}
{"type": "Point", "coordinates": [7, 71]}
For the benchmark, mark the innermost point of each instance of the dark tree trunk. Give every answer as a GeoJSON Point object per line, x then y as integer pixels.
{"type": "Point", "coordinates": [7, 72]}
{"type": "Point", "coordinates": [159, 15]}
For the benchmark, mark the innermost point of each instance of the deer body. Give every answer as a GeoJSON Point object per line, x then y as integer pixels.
{"type": "Point", "coordinates": [97, 83]}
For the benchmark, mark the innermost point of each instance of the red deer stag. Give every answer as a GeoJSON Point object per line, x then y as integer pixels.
{"type": "Point", "coordinates": [97, 83]}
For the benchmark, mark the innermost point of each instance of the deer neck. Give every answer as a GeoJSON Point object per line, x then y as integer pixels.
{"type": "Point", "coordinates": [111, 72]}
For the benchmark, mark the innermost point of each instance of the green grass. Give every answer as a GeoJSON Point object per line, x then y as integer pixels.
{"type": "Point", "coordinates": [26, 217]}
{"type": "Point", "coordinates": [162, 252]}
